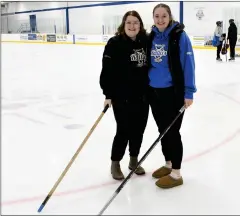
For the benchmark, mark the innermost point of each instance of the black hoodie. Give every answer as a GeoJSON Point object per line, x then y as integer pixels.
{"type": "Point", "coordinates": [124, 72]}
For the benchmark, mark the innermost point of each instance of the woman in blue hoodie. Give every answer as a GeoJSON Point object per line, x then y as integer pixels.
{"type": "Point", "coordinates": [172, 85]}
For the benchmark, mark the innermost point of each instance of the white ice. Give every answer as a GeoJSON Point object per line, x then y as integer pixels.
{"type": "Point", "coordinates": [50, 100]}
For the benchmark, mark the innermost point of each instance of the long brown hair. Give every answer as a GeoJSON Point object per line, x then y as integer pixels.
{"type": "Point", "coordinates": [121, 30]}
{"type": "Point", "coordinates": [168, 9]}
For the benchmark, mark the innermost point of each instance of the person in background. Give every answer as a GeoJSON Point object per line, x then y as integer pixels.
{"type": "Point", "coordinates": [124, 81]}
{"type": "Point", "coordinates": [219, 32]}
{"type": "Point", "coordinates": [232, 38]}
{"type": "Point", "coordinates": [172, 85]}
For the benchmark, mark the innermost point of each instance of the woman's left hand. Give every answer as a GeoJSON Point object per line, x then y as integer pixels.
{"type": "Point", "coordinates": [188, 103]}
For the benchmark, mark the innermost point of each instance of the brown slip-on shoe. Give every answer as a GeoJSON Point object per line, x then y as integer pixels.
{"type": "Point", "coordinates": [161, 172]}
{"type": "Point", "coordinates": [169, 182]}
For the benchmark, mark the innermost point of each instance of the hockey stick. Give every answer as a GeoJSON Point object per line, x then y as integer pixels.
{"type": "Point", "coordinates": [140, 162]}
{"type": "Point", "coordinates": [72, 160]}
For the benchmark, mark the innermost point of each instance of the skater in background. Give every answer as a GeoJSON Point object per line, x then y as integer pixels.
{"type": "Point", "coordinates": [232, 38]}
{"type": "Point", "coordinates": [172, 85]}
{"type": "Point", "coordinates": [124, 81]}
{"type": "Point", "coordinates": [219, 33]}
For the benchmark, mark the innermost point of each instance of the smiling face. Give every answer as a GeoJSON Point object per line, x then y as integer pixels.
{"type": "Point", "coordinates": [132, 26]}
{"type": "Point", "coordinates": [162, 17]}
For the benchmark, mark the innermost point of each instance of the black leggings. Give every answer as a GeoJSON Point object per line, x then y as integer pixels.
{"type": "Point", "coordinates": [232, 45]}
{"type": "Point", "coordinates": [219, 48]}
{"type": "Point", "coordinates": [164, 110]}
{"type": "Point", "coordinates": [131, 117]}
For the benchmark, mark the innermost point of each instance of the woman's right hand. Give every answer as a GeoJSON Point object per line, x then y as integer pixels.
{"type": "Point", "coordinates": [108, 101]}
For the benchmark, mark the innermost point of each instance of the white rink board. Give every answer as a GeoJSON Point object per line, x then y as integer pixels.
{"type": "Point", "coordinates": [197, 41]}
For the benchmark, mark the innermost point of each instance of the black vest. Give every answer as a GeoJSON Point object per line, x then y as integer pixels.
{"type": "Point", "coordinates": [174, 62]}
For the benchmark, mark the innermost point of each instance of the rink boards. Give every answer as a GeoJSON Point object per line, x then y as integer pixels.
{"type": "Point", "coordinates": [198, 42]}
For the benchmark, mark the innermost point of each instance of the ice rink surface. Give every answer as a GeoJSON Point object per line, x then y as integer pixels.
{"type": "Point", "coordinates": [51, 98]}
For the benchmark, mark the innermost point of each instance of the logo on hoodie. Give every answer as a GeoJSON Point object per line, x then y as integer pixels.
{"type": "Point", "coordinates": [139, 56]}
{"type": "Point", "coordinates": [158, 52]}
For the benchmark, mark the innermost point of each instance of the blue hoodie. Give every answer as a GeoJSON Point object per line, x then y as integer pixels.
{"type": "Point", "coordinates": [159, 74]}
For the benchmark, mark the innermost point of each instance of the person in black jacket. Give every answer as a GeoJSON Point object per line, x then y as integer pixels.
{"type": "Point", "coordinates": [232, 38]}
{"type": "Point", "coordinates": [124, 81]}
{"type": "Point", "coordinates": [172, 85]}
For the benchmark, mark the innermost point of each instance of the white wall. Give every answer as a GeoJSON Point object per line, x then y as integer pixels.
{"type": "Point", "coordinates": [213, 12]}
{"type": "Point", "coordinates": [90, 20]}
{"type": "Point", "coordinates": [75, 3]}
{"type": "Point", "coordinates": [82, 20]}
{"type": "Point", "coordinates": [4, 21]}
{"type": "Point", "coordinates": [85, 20]}
{"type": "Point", "coordinates": [45, 20]}
{"type": "Point", "coordinates": [25, 6]}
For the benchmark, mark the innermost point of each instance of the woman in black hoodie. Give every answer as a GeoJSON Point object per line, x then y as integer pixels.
{"type": "Point", "coordinates": [124, 81]}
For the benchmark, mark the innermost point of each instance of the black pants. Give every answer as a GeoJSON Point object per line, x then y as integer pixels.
{"type": "Point", "coordinates": [131, 117]}
{"type": "Point", "coordinates": [165, 109]}
{"type": "Point", "coordinates": [232, 45]}
{"type": "Point", "coordinates": [219, 48]}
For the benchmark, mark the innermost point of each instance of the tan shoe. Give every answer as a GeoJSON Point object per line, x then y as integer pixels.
{"type": "Point", "coordinates": [133, 163]}
{"type": "Point", "coordinates": [116, 171]}
{"type": "Point", "coordinates": [169, 182]}
{"type": "Point", "coordinates": [161, 172]}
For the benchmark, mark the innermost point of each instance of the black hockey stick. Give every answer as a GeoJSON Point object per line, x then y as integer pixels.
{"type": "Point", "coordinates": [140, 162]}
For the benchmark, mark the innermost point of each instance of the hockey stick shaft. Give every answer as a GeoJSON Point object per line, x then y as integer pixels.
{"type": "Point", "coordinates": [139, 163]}
{"type": "Point", "coordinates": [72, 159]}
